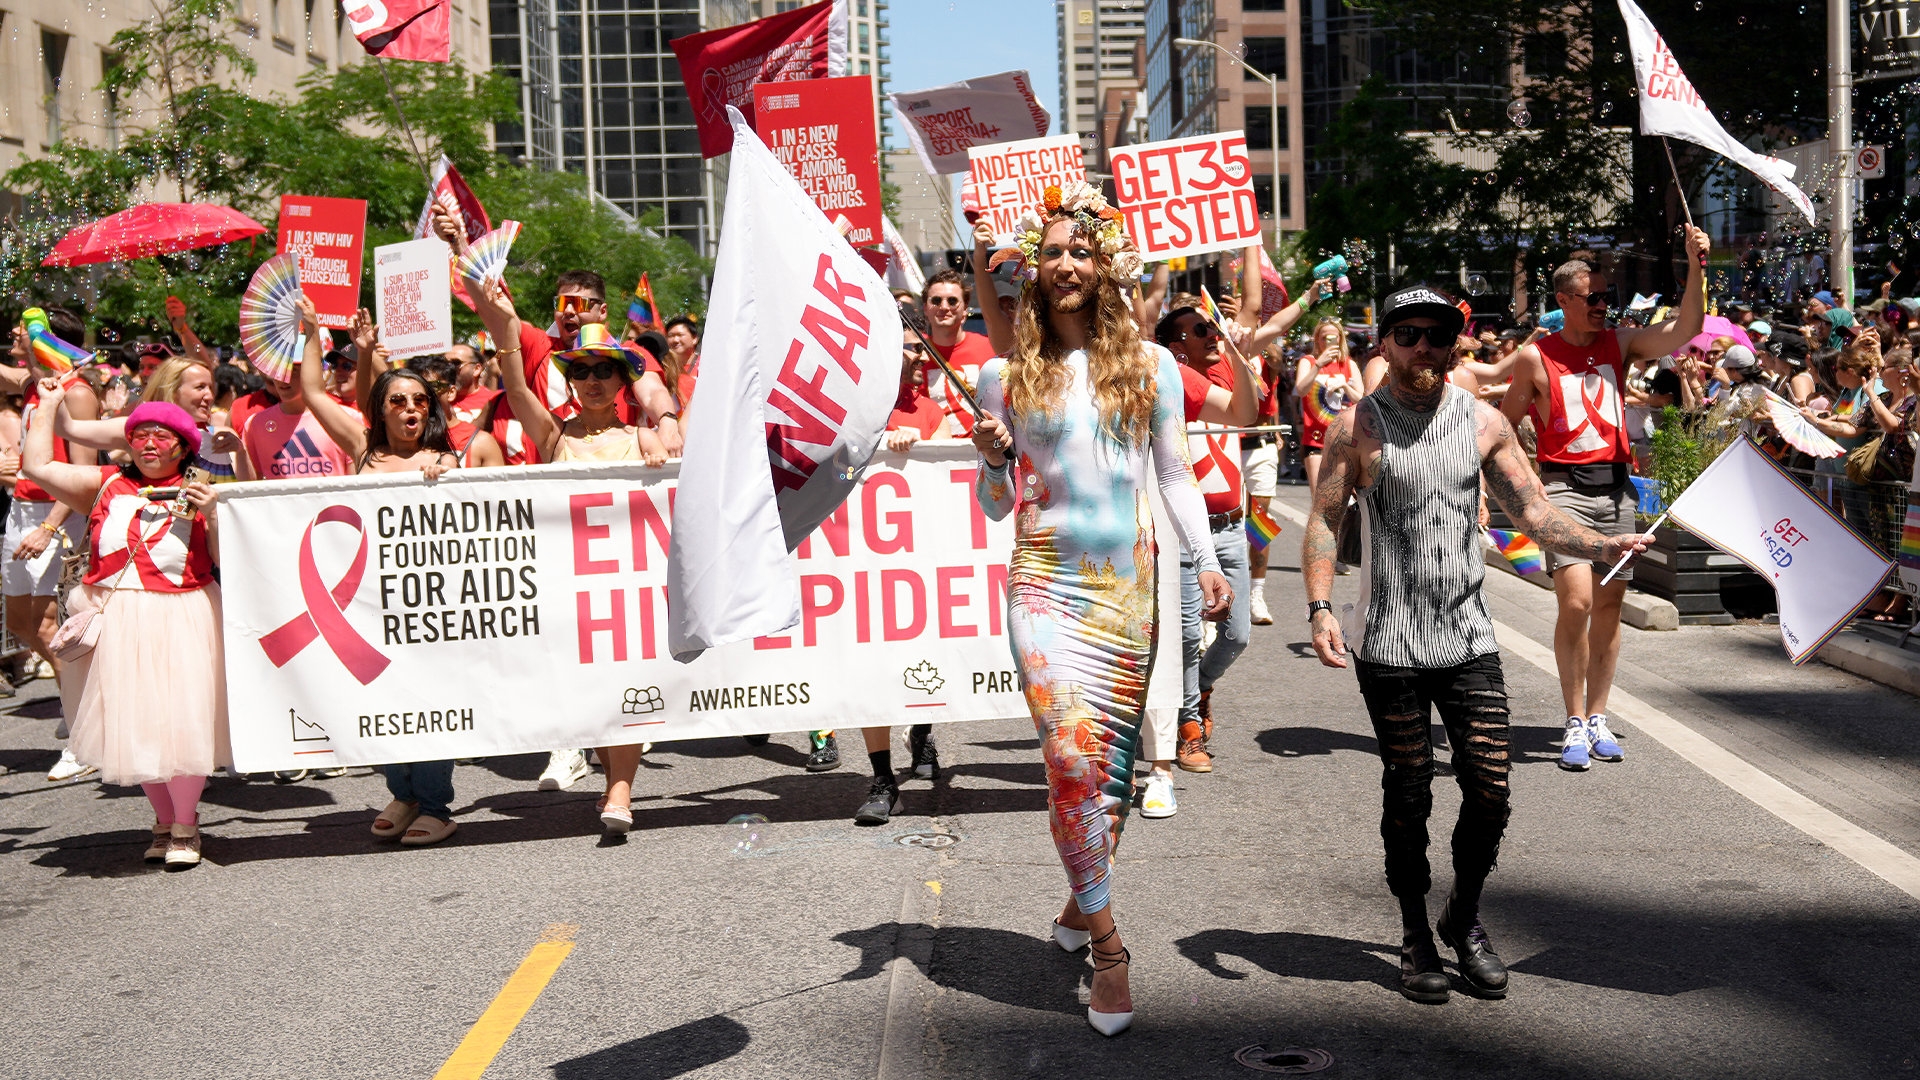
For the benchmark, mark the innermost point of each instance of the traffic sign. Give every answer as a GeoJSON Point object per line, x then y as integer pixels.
{"type": "Point", "coordinates": [1870, 162]}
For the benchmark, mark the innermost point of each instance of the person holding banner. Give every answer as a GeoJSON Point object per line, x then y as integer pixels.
{"type": "Point", "coordinates": [1072, 421]}
{"type": "Point", "coordinates": [1415, 453]}
{"type": "Point", "coordinates": [1573, 381]}
{"type": "Point", "coordinates": [147, 703]}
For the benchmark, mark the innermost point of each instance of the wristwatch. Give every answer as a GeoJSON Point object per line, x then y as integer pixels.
{"type": "Point", "coordinates": [1314, 606]}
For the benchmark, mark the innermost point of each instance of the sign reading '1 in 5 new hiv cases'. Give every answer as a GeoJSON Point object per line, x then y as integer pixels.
{"type": "Point", "coordinates": [1009, 179]}
{"type": "Point", "coordinates": [382, 618]}
{"type": "Point", "coordinates": [1187, 196]}
{"type": "Point", "coordinates": [327, 236]}
{"type": "Point", "coordinates": [822, 131]}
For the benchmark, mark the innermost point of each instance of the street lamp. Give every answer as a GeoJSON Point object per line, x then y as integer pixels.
{"type": "Point", "coordinates": [1273, 107]}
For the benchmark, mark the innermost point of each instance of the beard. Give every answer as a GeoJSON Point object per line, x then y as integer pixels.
{"type": "Point", "coordinates": [1424, 380]}
{"type": "Point", "coordinates": [1073, 301]}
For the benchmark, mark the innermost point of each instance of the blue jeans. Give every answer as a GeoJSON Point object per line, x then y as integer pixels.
{"type": "Point", "coordinates": [1201, 672]}
{"type": "Point", "coordinates": [429, 783]}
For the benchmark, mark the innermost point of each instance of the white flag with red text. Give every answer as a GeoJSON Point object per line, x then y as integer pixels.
{"type": "Point", "coordinates": [1669, 105]}
{"type": "Point", "coordinates": [1821, 571]}
{"type": "Point", "coordinates": [799, 370]}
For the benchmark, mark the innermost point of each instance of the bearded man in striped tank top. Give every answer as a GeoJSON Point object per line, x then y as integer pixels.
{"type": "Point", "coordinates": [1572, 382]}
{"type": "Point", "coordinates": [1414, 453]}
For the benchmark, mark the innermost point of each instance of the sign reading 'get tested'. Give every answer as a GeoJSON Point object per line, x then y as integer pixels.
{"type": "Point", "coordinates": [1187, 196]}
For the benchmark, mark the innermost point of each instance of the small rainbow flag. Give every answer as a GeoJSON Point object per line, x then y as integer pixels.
{"type": "Point", "coordinates": [49, 351]}
{"type": "Point", "coordinates": [1213, 310]}
{"type": "Point", "coordinates": [1523, 553]}
{"type": "Point", "coordinates": [1261, 528]}
{"type": "Point", "coordinates": [1910, 535]}
{"type": "Point", "coordinates": [642, 311]}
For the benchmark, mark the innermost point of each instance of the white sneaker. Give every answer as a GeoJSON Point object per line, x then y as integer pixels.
{"type": "Point", "coordinates": [1158, 801]}
{"type": "Point", "coordinates": [67, 768]}
{"type": "Point", "coordinates": [1257, 602]}
{"type": "Point", "coordinates": [565, 768]}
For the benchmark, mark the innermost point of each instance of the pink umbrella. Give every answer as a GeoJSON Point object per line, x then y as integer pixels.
{"type": "Point", "coordinates": [152, 229]}
{"type": "Point", "coordinates": [1717, 327]}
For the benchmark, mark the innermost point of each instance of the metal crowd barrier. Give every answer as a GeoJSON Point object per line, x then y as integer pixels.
{"type": "Point", "coordinates": [1878, 512]}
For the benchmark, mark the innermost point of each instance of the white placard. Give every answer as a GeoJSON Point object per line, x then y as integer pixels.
{"type": "Point", "coordinates": [1187, 196]}
{"type": "Point", "coordinates": [413, 297]}
{"type": "Point", "coordinates": [1011, 178]}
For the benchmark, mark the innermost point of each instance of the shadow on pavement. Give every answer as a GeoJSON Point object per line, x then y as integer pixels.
{"type": "Point", "coordinates": [1292, 742]}
{"type": "Point", "coordinates": [1292, 956]}
{"type": "Point", "coordinates": [1013, 969]}
{"type": "Point", "coordinates": [661, 1055]}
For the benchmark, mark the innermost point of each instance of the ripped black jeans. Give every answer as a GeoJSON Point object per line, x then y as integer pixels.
{"type": "Point", "coordinates": [1472, 701]}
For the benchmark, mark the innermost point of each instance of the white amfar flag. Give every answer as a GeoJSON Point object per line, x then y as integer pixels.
{"type": "Point", "coordinates": [1669, 105]}
{"type": "Point", "coordinates": [799, 370]}
{"type": "Point", "coordinates": [1822, 572]}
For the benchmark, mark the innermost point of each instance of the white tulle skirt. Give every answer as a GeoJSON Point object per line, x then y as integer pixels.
{"type": "Point", "coordinates": [149, 703]}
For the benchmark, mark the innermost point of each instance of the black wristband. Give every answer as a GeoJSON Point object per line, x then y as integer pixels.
{"type": "Point", "coordinates": [1316, 606]}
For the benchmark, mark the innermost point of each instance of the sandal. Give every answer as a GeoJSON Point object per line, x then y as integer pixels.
{"type": "Point", "coordinates": [162, 839]}
{"type": "Point", "coordinates": [1106, 1023]}
{"type": "Point", "coordinates": [394, 819]}
{"type": "Point", "coordinates": [616, 819]}
{"type": "Point", "coordinates": [428, 830]}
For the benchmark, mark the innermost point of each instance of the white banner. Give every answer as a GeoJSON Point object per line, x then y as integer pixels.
{"type": "Point", "coordinates": [1669, 105]}
{"type": "Point", "coordinates": [413, 298]}
{"type": "Point", "coordinates": [1187, 196]}
{"type": "Point", "coordinates": [1821, 571]}
{"type": "Point", "coordinates": [1011, 178]}
{"type": "Point", "coordinates": [945, 122]}
{"type": "Point", "coordinates": [380, 618]}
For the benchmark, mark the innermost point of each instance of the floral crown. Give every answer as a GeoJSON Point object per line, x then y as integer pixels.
{"type": "Point", "coordinates": [1083, 203]}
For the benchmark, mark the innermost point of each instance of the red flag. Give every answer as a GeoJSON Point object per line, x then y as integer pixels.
{"type": "Point", "coordinates": [720, 67]}
{"type": "Point", "coordinates": [402, 29]}
{"type": "Point", "coordinates": [450, 191]}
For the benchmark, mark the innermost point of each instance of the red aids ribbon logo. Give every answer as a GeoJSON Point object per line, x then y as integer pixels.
{"type": "Point", "coordinates": [323, 617]}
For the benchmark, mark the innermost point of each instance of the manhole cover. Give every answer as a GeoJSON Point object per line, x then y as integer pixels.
{"type": "Point", "coordinates": [1293, 1059]}
{"type": "Point", "coordinates": [926, 840]}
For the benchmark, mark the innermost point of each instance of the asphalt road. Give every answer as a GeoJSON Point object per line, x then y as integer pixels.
{"type": "Point", "coordinates": [1659, 923]}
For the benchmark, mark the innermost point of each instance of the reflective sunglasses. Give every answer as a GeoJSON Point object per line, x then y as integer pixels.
{"type": "Point", "coordinates": [605, 369]}
{"type": "Point", "coordinates": [153, 437]}
{"type": "Point", "coordinates": [564, 304]}
{"type": "Point", "coordinates": [401, 401]}
{"type": "Point", "coordinates": [1440, 337]}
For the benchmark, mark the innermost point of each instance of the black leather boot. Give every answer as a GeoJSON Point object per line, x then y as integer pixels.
{"type": "Point", "coordinates": [1484, 972]}
{"type": "Point", "coordinates": [1422, 979]}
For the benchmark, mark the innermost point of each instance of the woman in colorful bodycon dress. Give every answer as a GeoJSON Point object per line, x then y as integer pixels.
{"type": "Point", "coordinates": [1074, 419]}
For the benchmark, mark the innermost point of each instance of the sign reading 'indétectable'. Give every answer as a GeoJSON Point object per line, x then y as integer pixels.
{"type": "Point", "coordinates": [1009, 179]}
{"type": "Point", "coordinates": [381, 618]}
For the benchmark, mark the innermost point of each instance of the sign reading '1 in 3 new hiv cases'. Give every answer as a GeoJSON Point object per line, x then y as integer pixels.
{"type": "Point", "coordinates": [1187, 196]}
{"type": "Point", "coordinates": [328, 237]}
{"type": "Point", "coordinates": [1011, 178]}
{"type": "Point", "coordinates": [822, 131]}
{"type": "Point", "coordinates": [413, 297]}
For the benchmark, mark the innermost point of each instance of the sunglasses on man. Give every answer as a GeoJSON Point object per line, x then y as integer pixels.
{"type": "Point", "coordinates": [913, 347]}
{"type": "Point", "coordinates": [580, 304]}
{"type": "Point", "coordinates": [1203, 331]}
{"type": "Point", "coordinates": [943, 301]}
{"type": "Point", "coordinates": [605, 369]}
{"type": "Point", "coordinates": [1594, 300]}
{"type": "Point", "coordinates": [1440, 337]}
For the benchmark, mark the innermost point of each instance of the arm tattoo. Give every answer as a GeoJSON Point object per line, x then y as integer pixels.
{"type": "Point", "coordinates": [1338, 465]}
{"type": "Point", "coordinates": [1518, 490]}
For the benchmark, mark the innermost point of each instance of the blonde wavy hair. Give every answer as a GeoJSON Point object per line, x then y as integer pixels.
{"type": "Point", "coordinates": [1120, 368]}
{"type": "Point", "coordinates": [164, 383]}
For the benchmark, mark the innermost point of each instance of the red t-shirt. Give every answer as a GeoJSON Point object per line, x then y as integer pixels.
{"type": "Point", "coordinates": [1587, 421]}
{"type": "Point", "coordinates": [1216, 458]}
{"type": "Point", "coordinates": [169, 554]}
{"type": "Point", "coordinates": [246, 405]}
{"type": "Point", "coordinates": [470, 407]}
{"type": "Point", "coordinates": [1327, 396]}
{"type": "Point", "coordinates": [915, 411]}
{"type": "Point", "coordinates": [547, 384]}
{"type": "Point", "coordinates": [967, 357]}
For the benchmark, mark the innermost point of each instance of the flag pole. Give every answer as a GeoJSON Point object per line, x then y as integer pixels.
{"type": "Point", "coordinates": [1657, 522]}
{"type": "Point", "coordinates": [918, 324]}
{"type": "Point", "coordinates": [381, 63]}
{"type": "Point", "coordinates": [1682, 189]}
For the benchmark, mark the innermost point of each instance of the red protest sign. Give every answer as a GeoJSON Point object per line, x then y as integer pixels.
{"type": "Point", "coordinates": [720, 67]}
{"type": "Point", "coordinates": [1187, 196]}
{"type": "Point", "coordinates": [327, 236]}
{"type": "Point", "coordinates": [822, 130]}
{"type": "Point", "coordinates": [1009, 179]}
{"type": "Point", "coordinates": [402, 29]}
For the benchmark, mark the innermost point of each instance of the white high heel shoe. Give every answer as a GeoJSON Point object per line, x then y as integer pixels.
{"type": "Point", "coordinates": [1070, 939]}
{"type": "Point", "coordinates": [1108, 1023]}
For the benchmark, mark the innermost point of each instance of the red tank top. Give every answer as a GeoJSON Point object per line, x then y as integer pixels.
{"type": "Point", "coordinates": [24, 489]}
{"type": "Point", "coordinates": [1586, 420]}
{"type": "Point", "coordinates": [1327, 397]}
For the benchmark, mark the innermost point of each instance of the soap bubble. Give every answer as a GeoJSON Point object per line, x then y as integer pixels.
{"type": "Point", "coordinates": [1517, 113]}
{"type": "Point", "coordinates": [749, 833]}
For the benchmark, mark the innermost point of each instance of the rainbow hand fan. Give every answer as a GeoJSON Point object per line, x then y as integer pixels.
{"type": "Point", "coordinates": [1799, 432]}
{"type": "Point", "coordinates": [49, 351]}
{"type": "Point", "coordinates": [270, 318]}
{"type": "Point", "coordinates": [1324, 402]}
{"type": "Point", "coordinates": [1523, 553]}
{"type": "Point", "coordinates": [486, 258]}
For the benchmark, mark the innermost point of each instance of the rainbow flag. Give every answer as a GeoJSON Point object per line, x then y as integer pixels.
{"type": "Point", "coordinates": [1261, 528]}
{"type": "Point", "coordinates": [1523, 553]}
{"type": "Point", "coordinates": [641, 310]}
{"type": "Point", "coordinates": [1910, 535]}
{"type": "Point", "coordinates": [1212, 311]}
{"type": "Point", "coordinates": [48, 351]}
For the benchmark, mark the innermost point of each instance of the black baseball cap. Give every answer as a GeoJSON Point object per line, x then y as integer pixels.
{"type": "Point", "coordinates": [1420, 302]}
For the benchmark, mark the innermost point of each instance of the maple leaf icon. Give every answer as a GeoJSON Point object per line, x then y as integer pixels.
{"type": "Point", "coordinates": [924, 677]}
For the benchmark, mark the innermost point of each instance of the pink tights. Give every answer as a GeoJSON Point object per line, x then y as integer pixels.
{"type": "Point", "coordinates": [177, 801]}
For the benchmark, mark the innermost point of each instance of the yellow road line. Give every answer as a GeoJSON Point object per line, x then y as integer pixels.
{"type": "Point", "coordinates": [491, 1031]}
